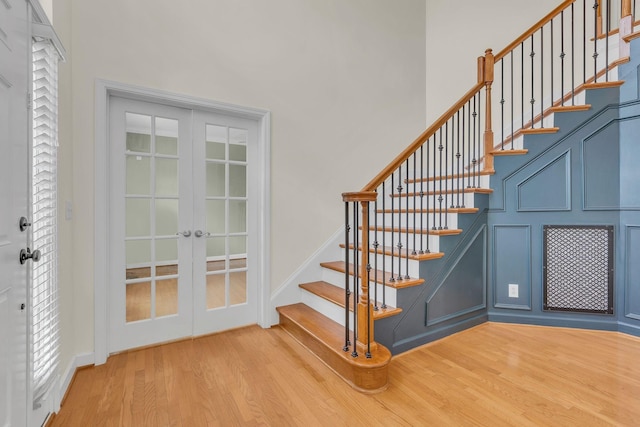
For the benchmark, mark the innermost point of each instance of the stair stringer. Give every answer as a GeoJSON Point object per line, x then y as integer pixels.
{"type": "Point", "coordinates": [447, 275]}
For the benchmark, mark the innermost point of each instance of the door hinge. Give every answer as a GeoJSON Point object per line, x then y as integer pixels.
{"type": "Point", "coordinates": [29, 101]}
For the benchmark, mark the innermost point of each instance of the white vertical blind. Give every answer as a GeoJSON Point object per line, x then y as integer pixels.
{"type": "Point", "coordinates": [44, 292]}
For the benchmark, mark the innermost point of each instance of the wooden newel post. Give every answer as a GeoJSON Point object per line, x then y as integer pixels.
{"type": "Point", "coordinates": [488, 131]}
{"type": "Point", "coordinates": [626, 27]}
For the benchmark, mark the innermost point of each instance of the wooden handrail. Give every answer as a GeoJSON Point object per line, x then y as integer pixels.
{"type": "Point", "coordinates": [533, 29]}
{"type": "Point", "coordinates": [428, 133]}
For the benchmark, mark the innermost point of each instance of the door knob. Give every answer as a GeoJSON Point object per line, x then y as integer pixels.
{"type": "Point", "coordinates": [26, 254]}
{"type": "Point", "coordinates": [200, 233]}
{"type": "Point", "coordinates": [185, 233]}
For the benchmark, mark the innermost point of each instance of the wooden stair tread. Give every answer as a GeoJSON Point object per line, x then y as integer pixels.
{"type": "Point", "coordinates": [535, 131]}
{"type": "Point", "coordinates": [448, 191]}
{"type": "Point", "coordinates": [508, 152]}
{"type": "Point", "coordinates": [443, 232]}
{"type": "Point", "coordinates": [569, 108]}
{"type": "Point", "coordinates": [335, 295]}
{"type": "Point", "coordinates": [384, 278]}
{"type": "Point", "coordinates": [387, 250]}
{"type": "Point", "coordinates": [455, 176]}
{"type": "Point", "coordinates": [325, 338]}
{"type": "Point", "coordinates": [428, 211]}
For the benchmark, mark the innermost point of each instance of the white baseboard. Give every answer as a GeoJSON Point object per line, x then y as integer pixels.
{"type": "Point", "coordinates": [310, 270]}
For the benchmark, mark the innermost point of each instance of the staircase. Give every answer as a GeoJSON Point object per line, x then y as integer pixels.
{"type": "Point", "coordinates": [423, 219]}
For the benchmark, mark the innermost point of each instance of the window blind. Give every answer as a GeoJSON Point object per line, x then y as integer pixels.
{"type": "Point", "coordinates": [44, 277]}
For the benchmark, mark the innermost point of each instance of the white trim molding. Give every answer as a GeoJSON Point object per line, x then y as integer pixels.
{"type": "Point", "coordinates": [103, 90]}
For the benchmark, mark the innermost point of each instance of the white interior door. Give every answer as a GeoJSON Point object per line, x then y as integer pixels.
{"type": "Point", "coordinates": [150, 224]}
{"type": "Point", "coordinates": [225, 210]}
{"type": "Point", "coordinates": [182, 197]}
{"type": "Point", "coordinates": [14, 57]}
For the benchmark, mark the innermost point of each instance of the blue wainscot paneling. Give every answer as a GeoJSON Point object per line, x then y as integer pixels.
{"type": "Point", "coordinates": [632, 267]}
{"type": "Point", "coordinates": [555, 179]}
{"type": "Point", "coordinates": [600, 163]}
{"type": "Point", "coordinates": [512, 265]}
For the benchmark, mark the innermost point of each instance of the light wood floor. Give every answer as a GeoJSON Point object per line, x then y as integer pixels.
{"type": "Point", "coordinates": [491, 375]}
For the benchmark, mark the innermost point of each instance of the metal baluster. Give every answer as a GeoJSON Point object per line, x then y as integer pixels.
{"type": "Point", "coordinates": [355, 308]}
{"type": "Point", "coordinates": [415, 191]}
{"type": "Point", "coordinates": [457, 179]}
{"type": "Point", "coordinates": [502, 104]}
{"type": "Point", "coordinates": [466, 162]}
{"type": "Point", "coordinates": [533, 100]}
{"type": "Point", "coordinates": [474, 161]}
{"type": "Point", "coordinates": [400, 188]}
{"type": "Point", "coordinates": [347, 292]}
{"type": "Point", "coordinates": [606, 43]}
{"type": "Point", "coordinates": [541, 77]}
{"type": "Point", "coordinates": [562, 55]}
{"type": "Point", "coordinates": [436, 171]}
{"type": "Point", "coordinates": [376, 245]}
{"type": "Point", "coordinates": [584, 40]}
{"type": "Point", "coordinates": [384, 249]}
{"type": "Point", "coordinates": [406, 272]}
{"type": "Point", "coordinates": [440, 148]}
{"type": "Point", "coordinates": [551, 62]}
{"type": "Point", "coordinates": [595, 42]}
{"type": "Point", "coordinates": [356, 281]}
{"type": "Point", "coordinates": [422, 212]}
{"type": "Point", "coordinates": [392, 279]}
{"type": "Point", "coordinates": [446, 168]}
{"type": "Point", "coordinates": [512, 106]}
{"type": "Point", "coordinates": [522, 85]}
{"type": "Point", "coordinates": [425, 213]}
{"type": "Point", "coordinates": [573, 61]}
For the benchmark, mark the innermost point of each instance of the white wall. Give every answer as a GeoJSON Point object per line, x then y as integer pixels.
{"type": "Point", "coordinates": [458, 32]}
{"type": "Point", "coordinates": [344, 80]}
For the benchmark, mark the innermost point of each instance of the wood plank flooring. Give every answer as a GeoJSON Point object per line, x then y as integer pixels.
{"type": "Point", "coordinates": [491, 375]}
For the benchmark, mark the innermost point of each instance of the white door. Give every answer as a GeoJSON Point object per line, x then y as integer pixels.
{"type": "Point", "coordinates": [14, 57]}
{"type": "Point", "coordinates": [180, 221]}
{"type": "Point", "coordinates": [226, 219]}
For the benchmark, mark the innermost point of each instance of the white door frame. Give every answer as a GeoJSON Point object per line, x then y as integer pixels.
{"type": "Point", "coordinates": [104, 89]}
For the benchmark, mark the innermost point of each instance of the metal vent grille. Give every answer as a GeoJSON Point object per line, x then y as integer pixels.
{"type": "Point", "coordinates": [578, 268]}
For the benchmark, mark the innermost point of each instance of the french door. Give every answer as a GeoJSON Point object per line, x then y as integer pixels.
{"type": "Point", "coordinates": [181, 249]}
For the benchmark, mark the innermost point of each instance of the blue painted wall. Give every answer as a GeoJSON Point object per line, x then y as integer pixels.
{"type": "Point", "coordinates": [586, 174]}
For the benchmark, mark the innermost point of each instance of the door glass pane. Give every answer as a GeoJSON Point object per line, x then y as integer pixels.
{"type": "Point", "coordinates": [216, 247]}
{"type": "Point", "coordinates": [138, 303]}
{"type": "Point", "coordinates": [138, 252]}
{"type": "Point", "coordinates": [138, 175]}
{"type": "Point", "coordinates": [166, 217]}
{"type": "Point", "coordinates": [238, 249]}
{"type": "Point", "coordinates": [166, 136]}
{"type": "Point", "coordinates": [138, 127]}
{"type": "Point", "coordinates": [215, 216]}
{"type": "Point", "coordinates": [216, 137]}
{"type": "Point", "coordinates": [167, 250]}
{"type": "Point", "coordinates": [237, 287]}
{"type": "Point", "coordinates": [166, 177]}
{"type": "Point", "coordinates": [238, 144]}
{"type": "Point", "coordinates": [237, 216]}
{"type": "Point", "coordinates": [166, 297]}
{"type": "Point", "coordinates": [138, 273]}
{"type": "Point", "coordinates": [216, 290]}
{"type": "Point", "coordinates": [138, 217]}
{"type": "Point", "coordinates": [216, 265]}
{"type": "Point", "coordinates": [216, 180]}
{"type": "Point", "coordinates": [237, 181]}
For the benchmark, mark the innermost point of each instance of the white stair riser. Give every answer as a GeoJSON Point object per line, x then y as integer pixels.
{"type": "Point", "coordinates": [327, 308]}
{"type": "Point", "coordinates": [422, 241]}
{"type": "Point", "coordinates": [337, 279]}
{"type": "Point", "coordinates": [457, 200]}
{"type": "Point", "coordinates": [386, 261]}
{"type": "Point", "coordinates": [418, 221]}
